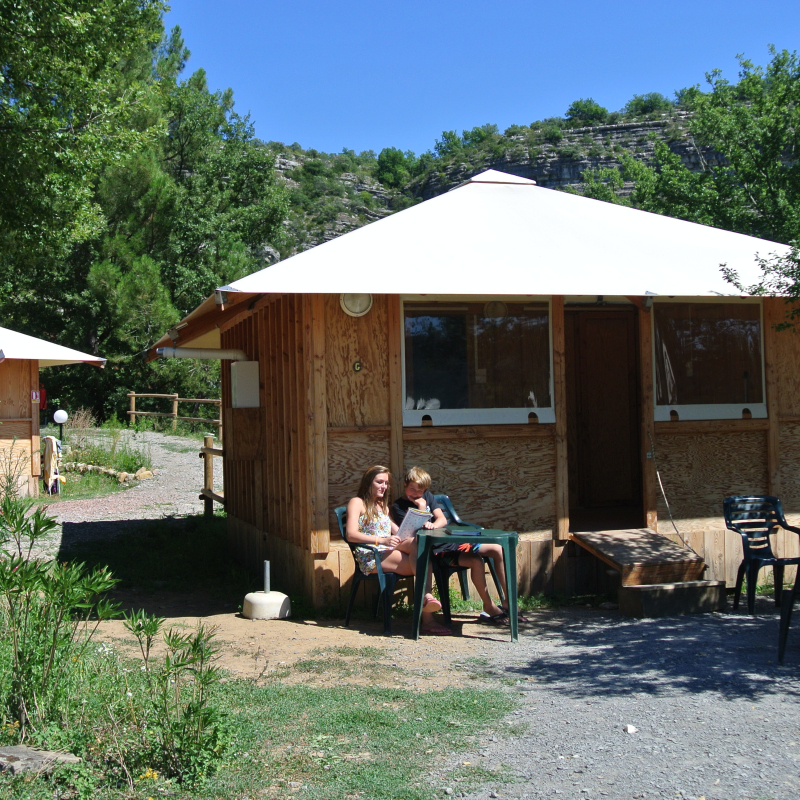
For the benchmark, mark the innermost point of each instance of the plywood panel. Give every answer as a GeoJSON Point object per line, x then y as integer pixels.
{"type": "Point", "coordinates": [787, 357]}
{"type": "Point", "coordinates": [349, 455]}
{"type": "Point", "coordinates": [504, 483]}
{"type": "Point", "coordinates": [789, 443]}
{"type": "Point", "coordinates": [15, 389]}
{"type": "Point", "coordinates": [699, 471]}
{"type": "Point", "coordinates": [357, 397]}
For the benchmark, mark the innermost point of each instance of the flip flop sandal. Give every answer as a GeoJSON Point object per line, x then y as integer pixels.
{"type": "Point", "coordinates": [436, 630]}
{"type": "Point", "coordinates": [494, 619]}
{"type": "Point", "coordinates": [432, 606]}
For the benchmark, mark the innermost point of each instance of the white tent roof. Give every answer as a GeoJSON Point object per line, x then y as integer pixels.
{"type": "Point", "coordinates": [503, 235]}
{"type": "Point", "coordinates": [19, 346]}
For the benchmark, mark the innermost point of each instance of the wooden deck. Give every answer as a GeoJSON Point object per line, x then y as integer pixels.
{"type": "Point", "coordinates": [642, 556]}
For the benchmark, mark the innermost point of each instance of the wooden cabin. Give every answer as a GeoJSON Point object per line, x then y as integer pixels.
{"type": "Point", "coordinates": [21, 357]}
{"type": "Point", "coordinates": [541, 354]}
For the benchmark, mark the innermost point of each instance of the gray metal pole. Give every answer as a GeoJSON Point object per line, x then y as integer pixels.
{"type": "Point", "coordinates": [266, 577]}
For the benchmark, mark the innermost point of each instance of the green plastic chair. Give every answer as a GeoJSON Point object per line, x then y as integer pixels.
{"type": "Point", "coordinates": [386, 580]}
{"type": "Point", "coordinates": [442, 572]}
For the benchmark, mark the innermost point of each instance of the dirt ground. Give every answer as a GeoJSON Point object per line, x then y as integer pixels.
{"type": "Point", "coordinates": [265, 649]}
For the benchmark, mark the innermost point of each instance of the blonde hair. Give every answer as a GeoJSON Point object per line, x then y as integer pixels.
{"type": "Point", "coordinates": [419, 476]}
{"type": "Point", "coordinates": [365, 492]}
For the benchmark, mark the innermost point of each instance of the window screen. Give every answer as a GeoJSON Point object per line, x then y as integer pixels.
{"type": "Point", "coordinates": [708, 353]}
{"type": "Point", "coordinates": [482, 355]}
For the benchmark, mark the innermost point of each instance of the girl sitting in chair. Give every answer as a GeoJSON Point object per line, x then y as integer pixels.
{"type": "Point", "coordinates": [368, 521]}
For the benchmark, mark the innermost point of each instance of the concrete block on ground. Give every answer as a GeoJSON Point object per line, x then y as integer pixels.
{"type": "Point", "coordinates": [672, 599]}
{"type": "Point", "coordinates": [266, 605]}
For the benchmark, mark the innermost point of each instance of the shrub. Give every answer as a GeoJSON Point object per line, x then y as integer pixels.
{"type": "Point", "coordinates": [586, 112]}
{"type": "Point", "coordinates": [641, 104]}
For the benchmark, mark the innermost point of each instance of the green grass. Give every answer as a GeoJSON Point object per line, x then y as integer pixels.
{"type": "Point", "coordinates": [83, 486]}
{"type": "Point", "coordinates": [327, 744]}
{"type": "Point", "coordinates": [339, 742]}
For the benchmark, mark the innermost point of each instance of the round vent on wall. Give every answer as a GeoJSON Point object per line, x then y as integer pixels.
{"type": "Point", "coordinates": [355, 305]}
{"type": "Point", "coordinates": [495, 309]}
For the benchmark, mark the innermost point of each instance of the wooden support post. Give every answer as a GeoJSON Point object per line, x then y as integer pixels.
{"type": "Point", "coordinates": [647, 411]}
{"type": "Point", "coordinates": [174, 412]}
{"type": "Point", "coordinates": [316, 419]}
{"type": "Point", "coordinates": [774, 308]}
{"type": "Point", "coordinates": [560, 404]}
{"type": "Point", "coordinates": [208, 476]}
{"type": "Point", "coordinates": [395, 393]}
{"type": "Point", "coordinates": [36, 460]}
{"type": "Point", "coordinates": [132, 414]}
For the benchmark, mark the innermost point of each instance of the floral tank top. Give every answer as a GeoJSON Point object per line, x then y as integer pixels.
{"type": "Point", "coordinates": [380, 526]}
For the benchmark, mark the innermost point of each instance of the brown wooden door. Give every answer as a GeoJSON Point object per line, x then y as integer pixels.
{"type": "Point", "coordinates": [603, 415]}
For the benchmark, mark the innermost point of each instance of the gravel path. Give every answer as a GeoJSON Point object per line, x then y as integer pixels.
{"type": "Point", "coordinates": [174, 491]}
{"type": "Point", "coordinates": [715, 716]}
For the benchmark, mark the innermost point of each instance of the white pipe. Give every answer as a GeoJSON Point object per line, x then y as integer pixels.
{"type": "Point", "coordinates": [201, 352]}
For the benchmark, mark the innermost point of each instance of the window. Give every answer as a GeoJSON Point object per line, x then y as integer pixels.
{"type": "Point", "coordinates": [485, 362]}
{"type": "Point", "coordinates": [708, 360]}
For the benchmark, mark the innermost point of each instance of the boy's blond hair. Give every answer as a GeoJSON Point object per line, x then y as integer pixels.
{"type": "Point", "coordinates": [419, 476]}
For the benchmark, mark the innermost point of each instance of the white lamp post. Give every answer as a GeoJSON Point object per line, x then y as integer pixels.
{"type": "Point", "coordinates": [60, 417]}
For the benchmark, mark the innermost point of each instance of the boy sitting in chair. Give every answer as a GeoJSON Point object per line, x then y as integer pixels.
{"type": "Point", "coordinates": [417, 494]}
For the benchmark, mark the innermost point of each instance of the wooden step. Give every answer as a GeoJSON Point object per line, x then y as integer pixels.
{"type": "Point", "coordinates": [672, 599]}
{"type": "Point", "coordinates": [642, 556]}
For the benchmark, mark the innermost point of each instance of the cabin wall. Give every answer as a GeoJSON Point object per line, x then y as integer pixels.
{"type": "Point", "coordinates": [19, 428]}
{"type": "Point", "coordinates": [269, 450]}
{"type": "Point", "coordinates": [331, 405]}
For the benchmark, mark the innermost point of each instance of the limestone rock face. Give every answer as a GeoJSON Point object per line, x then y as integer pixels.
{"type": "Point", "coordinates": [21, 758]}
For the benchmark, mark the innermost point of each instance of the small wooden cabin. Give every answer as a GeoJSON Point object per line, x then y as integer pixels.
{"type": "Point", "coordinates": [21, 357]}
{"type": "Point", "coordinates": [541, 354]}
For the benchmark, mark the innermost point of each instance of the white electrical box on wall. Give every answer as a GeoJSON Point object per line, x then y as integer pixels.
{"type": "Point", "coordinates": [244, 384]}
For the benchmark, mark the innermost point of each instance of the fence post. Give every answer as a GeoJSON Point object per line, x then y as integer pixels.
{"type": "Point", "coordinates": [174, 412]}
{"type": "Point", "coordinates": [132, 415]}
{"type": "Point", "coordinates": [208, 477]}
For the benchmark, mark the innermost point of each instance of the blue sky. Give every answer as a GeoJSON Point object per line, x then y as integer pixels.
{"type": "Point", "coordinates": [368, 75]}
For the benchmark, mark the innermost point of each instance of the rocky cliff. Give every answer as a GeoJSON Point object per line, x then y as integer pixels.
{"type": "Point", "coordinates": [331, 197]}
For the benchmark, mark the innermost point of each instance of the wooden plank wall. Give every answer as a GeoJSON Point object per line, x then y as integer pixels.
{"type": "Point", "coordinates": [270, 489]}
{"type": "Point", "coordinates": [786, 359]}
{"type": "Point", "coordinates": [19, 439]}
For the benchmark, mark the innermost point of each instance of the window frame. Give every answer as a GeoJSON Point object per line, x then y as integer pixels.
{"type": "Point", "coordinates": [476, 416]}
{"type": "Point", "coordinates": [709, 411]}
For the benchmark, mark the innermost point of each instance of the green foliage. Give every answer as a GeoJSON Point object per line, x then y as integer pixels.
{"type": "Point", "coordinates": [50, 611]}
{"type": "Point", "coordinates": [450, 144]}
{"type": "Point", "coordinates": [755, 125]}
{"type": "Point", "coordinates": [187, 203]}
{"type": "Point", "coordinates": [66, 112]}
{"type": "Point", "coordinates": [586, 112]}
{"type": "Point", "coordinates": [183, 734]}
{"type": "Point", "coordinates": [395, 167]}
{"type": "Point", "coordinates": [113, 448]}
{"type": "Point", "coordinates": [650, 103]}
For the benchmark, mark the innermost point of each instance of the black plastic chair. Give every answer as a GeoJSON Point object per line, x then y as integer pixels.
{"type": "Point", "coordinates": [755, 518]}
{"type": "Point", "coordinates": [787, 606]}
{"type": "Point", "coordinates": [443, 572]}
{"type": "Point", "coordinates": [386, 580]}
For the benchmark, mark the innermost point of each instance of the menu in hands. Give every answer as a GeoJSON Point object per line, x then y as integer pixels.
{"type": "Point", "coordinates": [412, 522]}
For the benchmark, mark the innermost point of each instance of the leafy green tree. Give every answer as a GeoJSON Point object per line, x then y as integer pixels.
{"type": "Point", "coordinates": [191, 207]}
{"type": "Point", "coordinates": [448, 145]}
{"type": "Point", "coordinates": [650, 103]}
{"type": "Point", "coordinates": [65, 112]}
{"type": "Point", "coordinates": [395, 167]}
{"type": "Point", "coordinates": [586, 112]}
{"type": "Point", "coordinates": [755, 126]}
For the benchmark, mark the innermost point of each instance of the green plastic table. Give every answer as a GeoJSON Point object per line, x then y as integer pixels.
{"type": "Point", "coordinates": [427, 540]}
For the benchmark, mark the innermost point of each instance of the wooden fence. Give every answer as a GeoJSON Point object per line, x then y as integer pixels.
{"type": "Point", "coordinates": [207, 494]}
{"type": "Point", "coordinates": [133, 413]}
